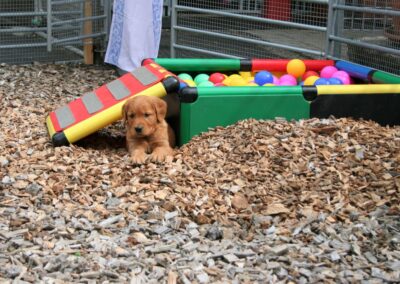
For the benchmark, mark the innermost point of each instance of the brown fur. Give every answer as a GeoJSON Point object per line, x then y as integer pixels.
{"type": "Point", "coordinates": [156, 137]}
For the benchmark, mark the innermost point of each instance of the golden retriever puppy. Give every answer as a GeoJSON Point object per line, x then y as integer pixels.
{"type": "Point", "coordinates": [146, 129]}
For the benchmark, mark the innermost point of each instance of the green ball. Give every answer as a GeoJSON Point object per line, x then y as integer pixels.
{"type": "Point", "coordinates": [185, 76]}
{"type": "Point", "coordinates": [205, 84]}
{"type": "Point", "coordinates": [201, 78]}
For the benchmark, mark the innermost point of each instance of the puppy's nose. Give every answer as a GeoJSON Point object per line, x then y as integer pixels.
{"type": "Point", "coordinates": [139, 129]}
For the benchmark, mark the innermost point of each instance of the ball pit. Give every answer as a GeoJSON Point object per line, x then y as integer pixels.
{"type": "Point", "coordinates": [296, 75]}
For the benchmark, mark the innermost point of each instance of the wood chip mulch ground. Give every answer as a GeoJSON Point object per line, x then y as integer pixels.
{"type": "Point", "coordinates": [259, 201]}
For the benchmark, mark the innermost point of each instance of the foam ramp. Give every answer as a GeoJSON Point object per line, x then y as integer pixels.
{"type": "Point", "coordinates": [103, 106]}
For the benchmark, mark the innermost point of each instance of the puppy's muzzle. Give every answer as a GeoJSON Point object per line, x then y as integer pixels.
{"type": "Point", "coordinates": [139, 129]}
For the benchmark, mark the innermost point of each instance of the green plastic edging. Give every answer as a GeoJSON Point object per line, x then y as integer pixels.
{"type": "Point", "coordinates": [381, 77]}
{"type": "Point", "coordinates": [198, 65]}
{"type": "Point", "coordinates": [215, 107]}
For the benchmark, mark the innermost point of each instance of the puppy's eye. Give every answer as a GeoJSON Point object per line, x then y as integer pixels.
{"type": "Point", "coordinates": [146, 114]}
{"type": "Point", "coordinates": [131, 115]}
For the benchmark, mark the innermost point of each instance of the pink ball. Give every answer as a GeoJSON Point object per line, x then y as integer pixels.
{"type": "Point", "coordinates": [342, 76]}
{"type": "Point", "coordinates": [287, 83]}
{"type": "Point", "coordinates": [219, 85]}
{"type": "Point", "coordinates": [289, 79]}
{"type": "Point", "coordinates": [276, 80]}
{"type": "Point", "coordinates": [328, 71]}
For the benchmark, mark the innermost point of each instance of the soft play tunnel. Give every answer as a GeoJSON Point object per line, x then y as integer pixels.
{"type": "Point", "coordinates": [375, 95]}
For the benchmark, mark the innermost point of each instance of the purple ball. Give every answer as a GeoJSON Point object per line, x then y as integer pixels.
{"type": "Point", "coordinates": [289, 80]}
{"type": "Point", "coordinates": [328, 71]}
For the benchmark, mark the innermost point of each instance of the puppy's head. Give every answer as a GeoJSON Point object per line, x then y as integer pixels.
{"type": "Point", "coordinates": [142, 114]}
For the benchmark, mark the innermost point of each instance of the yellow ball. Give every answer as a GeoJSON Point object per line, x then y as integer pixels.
{"type": "Point", "coordinates": [236, 80]}
{"type": "Point", "coordinates": [190, 83]}
{"type": "Point", "coordinates": [252, 84]}
{"type": "Point", "coordinates": [296, 67]}
{"type": "Point", "coordinates": [268, 85]}
{"type": "Point", "coordinates": [249, 79]}
{"type": "Point", "coordinates": [245, 74]}
{"type": "Point", "coordinates": [310, 80]}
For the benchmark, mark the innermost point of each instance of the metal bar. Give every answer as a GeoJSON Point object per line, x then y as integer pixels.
{"type": "Point", "coordinates": [314, 1]}
{"type": "Point", "coordinates": [205, 51]}
{"type": "Point", "coordinates": [245, 17]}
{"type": "Point", "coordinates": [330, 29]}
{"type": "Point", "coordinates": [67, 2]}
{"type": "Point", "coordinates": [68, 47]}
{"type": "Point", "coordinates": [27, 14]}
{"type": "Point", "coordinates": [33, 30]}
{"type": "Point", "coordinates": [366, 45]}
{"type": "Point", "coordinates": [78, 20]}
{"type": "Point", "coordinates": [49, 26]}
{"type": "Point", "coordinates": [386, 12]}
{"type": "Point", "coordinates": [247, 40]}
{"type": "Point", "coordinates": [57, 41]}
{"type": "Point", "coordinates": [13, 46]}
{"type": "Point", "coordinates": [173, 25]}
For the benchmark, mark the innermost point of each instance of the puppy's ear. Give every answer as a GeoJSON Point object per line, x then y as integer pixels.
{"type": "Point", "coordinates": [161, 108]}
{"type": "Point", "coordinates": [125, 108]}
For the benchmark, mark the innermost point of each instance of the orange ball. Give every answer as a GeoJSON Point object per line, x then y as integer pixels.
{"type": "Point", "coordinates": [296, 67]}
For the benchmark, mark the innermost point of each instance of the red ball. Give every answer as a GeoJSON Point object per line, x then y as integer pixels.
{"type": "Point", "coordinates": [216, 78]}
{"type": "Point", "coordinates": [308, 74]}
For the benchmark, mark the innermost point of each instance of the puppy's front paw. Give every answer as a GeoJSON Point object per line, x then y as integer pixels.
{"type": "Point", "coordinates": [160, 154]}
{"type": "Point", "coordinates": [138, 157]}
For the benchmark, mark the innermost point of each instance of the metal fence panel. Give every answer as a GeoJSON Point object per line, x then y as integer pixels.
{"type": "Point", "coordinates": [52, 30]}
{"type": "Point", "coordinates": [362, 31]}
{"type": "Point", "coordinates": [247, 28]}
{"type": "Point", "coordinates": [366, 32]}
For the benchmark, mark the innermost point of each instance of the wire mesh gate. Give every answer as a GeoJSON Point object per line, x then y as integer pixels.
{"type": "Point", "coordinates": [53, 30]}
{"type": "Point", "coordinates": [363, 31]}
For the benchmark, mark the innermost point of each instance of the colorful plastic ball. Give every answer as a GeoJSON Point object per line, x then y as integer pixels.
{"type": "Point", "coordinates": [269, 85]}
{"type": "Point", "coordinates": [342, 76]}
{"type": "Point", "coordinates": [190, 83]}
{"type": "Point", "coordinates": [206, 84]}
{"type": "Point", "coordinates": [296, 67]}
{"type": "Point", "coordinates": [201, 78]}
{"type": "Point", "coordinates": [252, 84]}
{"type": "Point", "coordinates": [321, 81]}
{"type": "Point", "coordinates": [310, 80]}
{"type": "Point", "coordinates": [185, 76]}
{"type": "Point", "coordinates": [182, 85]}
{"type": "Point", "coordinates": [308, 74]}
{"type": "Point", "coordinates": [216, 78]}
{"type": "Point", "coordinates": [334, 81]}
{"type": "Point", "coordinates": [219, 85]}
{"type": "Point", "coordinates": [245, 74]}
{"type": "Point", "coordinates": [263, 77]}
{"type": "Point", "coordinates": [289, 80]}
{"type": "Point", "coordinates": [236, 80]}
{"type": "Point", "coordinates": [249, 79]}
{"type": "Point", "coordinates": [287, 83]}
{"type": "Point", "coordinates": [328, 71]}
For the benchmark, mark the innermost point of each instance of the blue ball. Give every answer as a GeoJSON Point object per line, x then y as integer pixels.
{"type": "Point", "coordinates": [321, 81]}
{"type": "Point", "coordinates": [182, 85]}
{"type": "Point", "coordinates": [335, 81]}
{"type": "Point", "coordinates": [263, 77]}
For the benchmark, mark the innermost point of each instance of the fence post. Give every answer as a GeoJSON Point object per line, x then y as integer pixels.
{"type": "Point", "coordinates": [49, 27]}
{"type": "Point", "coordinates": [173, 26]}
{"type": "Point", "coordinates": [87, 30]}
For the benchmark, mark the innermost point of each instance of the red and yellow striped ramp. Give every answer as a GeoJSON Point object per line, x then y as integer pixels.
{"type": "Point", "coordinates": [103, 106]}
